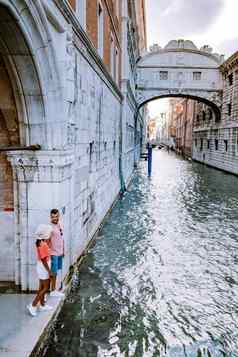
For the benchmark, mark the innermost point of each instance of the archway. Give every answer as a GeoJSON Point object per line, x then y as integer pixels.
{"type": "Point", "coordinates": [183, 137]}
{"type": "Point", "coordinates": [28, 79]}
{"type": "Point", "coordinates": [9, 136]}
{"type": "Point", "coordinates": [212, 104]}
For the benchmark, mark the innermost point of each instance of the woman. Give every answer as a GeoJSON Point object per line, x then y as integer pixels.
{"type": "Point", "coordinates": [43, 233]}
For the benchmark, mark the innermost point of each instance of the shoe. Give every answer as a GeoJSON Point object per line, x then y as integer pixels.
{"type": "Point", "coordinates": [56, 293]}
{"type": "Point", "coordinates": [45, 308]}
{"type": "Point", "coordinates": [32, 310]}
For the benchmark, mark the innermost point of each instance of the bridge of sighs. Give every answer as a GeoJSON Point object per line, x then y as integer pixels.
{"type": "Point", "coordinates": [180, 70]}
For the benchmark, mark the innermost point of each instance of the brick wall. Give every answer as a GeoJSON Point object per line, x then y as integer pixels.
{"type": "Point", "coordinates": [91, 21]}
{"type": "Point", "coordinates": [72, 4]}
{"type": "Point", "coordinates": [107, 40]}
{"type": "Point", "coordinates": [112, 28]}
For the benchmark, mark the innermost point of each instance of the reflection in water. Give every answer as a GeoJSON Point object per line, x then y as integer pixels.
{"type": "Point", "coordinates": [162, 279]}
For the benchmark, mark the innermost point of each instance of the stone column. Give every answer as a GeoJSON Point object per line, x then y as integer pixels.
{"type": "Point", "coordinates": [42, 181]}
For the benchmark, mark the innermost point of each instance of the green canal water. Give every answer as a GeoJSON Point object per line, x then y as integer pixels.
{"type": "Point", "coordinates": [162, 279]}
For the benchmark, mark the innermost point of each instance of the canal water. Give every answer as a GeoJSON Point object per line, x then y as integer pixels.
{"type": "Point", "coordinates": [162, 279]}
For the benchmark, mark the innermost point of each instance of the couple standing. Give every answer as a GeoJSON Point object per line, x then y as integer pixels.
{"type": "Point", "coordinates": [50, 252]}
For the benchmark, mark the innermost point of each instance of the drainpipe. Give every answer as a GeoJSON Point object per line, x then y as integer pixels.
{"type": "Point", "coordinates": [120, 164]}
{"type": "Point", "coordinates": [135, 134]}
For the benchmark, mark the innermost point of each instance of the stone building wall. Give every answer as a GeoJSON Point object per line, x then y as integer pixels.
{"type": "Point", "coordinates": [69, 104]}
{"type": "Point", "coordinates": [215, 141]}
{"type": "Point", "coordinates": [130, 54]}
{"type": "Point", "coordinates": [181, 118]}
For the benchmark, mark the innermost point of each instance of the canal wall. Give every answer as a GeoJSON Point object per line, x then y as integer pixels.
{"type": "Point", "coordinates": [217, 148]}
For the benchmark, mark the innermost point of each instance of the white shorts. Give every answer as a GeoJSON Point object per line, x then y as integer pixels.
{"type": "Point", "coordinates": [41, 270]}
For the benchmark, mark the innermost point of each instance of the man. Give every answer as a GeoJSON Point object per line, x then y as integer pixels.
{"type": "Point", "coordinates": [56, 250]}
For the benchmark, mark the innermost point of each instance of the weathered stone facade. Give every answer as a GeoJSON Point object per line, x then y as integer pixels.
{"type": "Point", "coordinates": [215, 142]}
{"type": "Point", "coordinates": [61, 95]}
{"type": "Point", "coordinates": [133, 123]}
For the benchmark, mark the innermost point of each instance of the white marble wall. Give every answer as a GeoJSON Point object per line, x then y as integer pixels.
{"type": "Point", "coordinates": [79, 122]}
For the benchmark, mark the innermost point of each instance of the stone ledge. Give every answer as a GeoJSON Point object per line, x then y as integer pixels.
{"type": "Point", "coordinates": [20, 334]}
{"type": "Point", "coordinates": [41, 166]}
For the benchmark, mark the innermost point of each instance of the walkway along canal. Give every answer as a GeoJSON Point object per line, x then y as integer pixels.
{"type": "Point", "coordinates": [162, 278]}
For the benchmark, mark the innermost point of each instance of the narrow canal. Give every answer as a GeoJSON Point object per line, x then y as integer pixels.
{"type": "Point", "coordinates": [162, 279]}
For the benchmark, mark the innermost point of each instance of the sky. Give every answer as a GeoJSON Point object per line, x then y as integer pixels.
{"type": "Point", "coordinates": [205, 22]}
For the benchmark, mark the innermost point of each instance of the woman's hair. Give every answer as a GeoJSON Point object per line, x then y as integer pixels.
{"type": "Point", "coordinates": [38, 242]}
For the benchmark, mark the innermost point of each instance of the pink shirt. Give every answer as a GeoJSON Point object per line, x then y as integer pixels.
{"type": "Point", "coordinates": [56, 240]}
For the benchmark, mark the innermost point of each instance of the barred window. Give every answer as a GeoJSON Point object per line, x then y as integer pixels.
{"type": "Point", "coordinates": [197, 76]}
{"type": "Point", "coordinates": [201, 144]}
{"type": "Point", "coordinates": [163, 75]}
{"type": "Point", "coordinates": [226, 145]}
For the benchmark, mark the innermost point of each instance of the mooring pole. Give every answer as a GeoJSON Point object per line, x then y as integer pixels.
{"type": "Point", "coordinates": [149, 148]}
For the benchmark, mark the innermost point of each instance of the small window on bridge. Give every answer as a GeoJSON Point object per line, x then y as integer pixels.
{"type": "Point", "coordinates": [226, 145]}
{"type": "Point", "coordinates": [196, 142]}
{"type": "Point", "coordinates": [208, 144]}
{"type": "Point", "coordinates": [203, 115]}
{"type": "Point", "coordinates": [230, 79]}
{"type": "Point", "coordinates": [216, 144]}
{"type": "Point", "coordinates": [197, 76]}
{"type": "Point", "coordinates": [163, 75]}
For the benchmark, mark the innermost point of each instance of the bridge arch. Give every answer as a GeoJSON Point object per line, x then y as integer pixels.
{"type": "Point", "coordinates": [212, 104]}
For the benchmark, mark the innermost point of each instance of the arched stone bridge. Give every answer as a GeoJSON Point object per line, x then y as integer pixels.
{"type": "Point", "coordinates": [180, 70]}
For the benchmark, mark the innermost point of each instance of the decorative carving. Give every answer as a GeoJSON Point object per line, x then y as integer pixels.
{"type": "Point", "coordinates": [40, 166]}
{"type": "Point", "coordinates": [180, 59]}
{"type": "Point", "coordinates": [71, 66]}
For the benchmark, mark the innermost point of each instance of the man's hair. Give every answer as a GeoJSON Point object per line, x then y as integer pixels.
{"type": "Point", "coordinates": [54, 211]}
